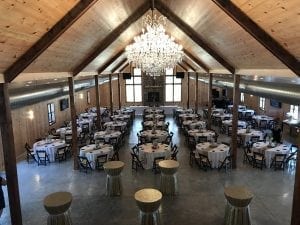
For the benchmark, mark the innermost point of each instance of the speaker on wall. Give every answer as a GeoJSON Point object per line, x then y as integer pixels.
{"type": "Point", "coordinates": [126, 76]}
{"type": "Point", "coordinates": [180, 75]}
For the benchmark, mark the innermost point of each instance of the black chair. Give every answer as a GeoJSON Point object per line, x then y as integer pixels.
{"type": "Point", "coordinates": [100, 160]}
{"type": "Point", "coordinates": [278, 161]}
{"type": "Point", "coordinates": [248, 155]}
{"type": "Point", "coordinates": [85, 127]}
{"type": "Point", "coordinates": [84, 164]}
{"type": "Point", "coordinates": [135, 162]}
{"type": "Point", "coordinates": [60, 154]}
{"type": "Point", "coordinates": [174, 155]}
{"type": "Point", "coordinates": [254, 139]}
{"type": "Point", "coordinates": [258, 160]}
{"type": "Point", "coordinates": [191, 141]}
{"type": "Point", "coordinates": [29, 153]}
{"type": "Point", "coordinates": [204, 162]}
{"type": "Point", "coordinates": [201, 139]}
{"type": "Point", "coordinates": [115, 156]}
{"type": "Point", "coordinates": [42, 157]}
{"type": "Point", "coordinates": [226, 163]}
{"type": "Point", "coordinates": [263, 124]}
{"type": "Point", "coordinates": [192, 158]}
{"type": "Point", "coordinates": [155, 167]}
{"type": "Point", "coordinates": [248, 116]}
{"type": "Point", "coordinates": [114, 141]}
{"type": "Point", "coordinates": [291, 158]}
{"type": "Point", "coordinates": [68, 138]}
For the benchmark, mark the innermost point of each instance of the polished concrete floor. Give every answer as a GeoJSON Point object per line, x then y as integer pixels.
{"type": "Point", "coordinates": [200, 200]}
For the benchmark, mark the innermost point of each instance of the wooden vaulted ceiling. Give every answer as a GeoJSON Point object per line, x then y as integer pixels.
{"type": "Point", "coordinates": [87, 37]}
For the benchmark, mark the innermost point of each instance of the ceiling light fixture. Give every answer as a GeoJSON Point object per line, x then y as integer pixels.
{"type": "Point", "coordinates": [154, 51]}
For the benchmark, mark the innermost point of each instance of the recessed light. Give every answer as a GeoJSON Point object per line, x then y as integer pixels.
{"type": "Point", "coordinates": [55, 78]}
{"type": "Point", "coordinates": [29, 82]}
{"type": "Point", "coordinates": [27, 85]}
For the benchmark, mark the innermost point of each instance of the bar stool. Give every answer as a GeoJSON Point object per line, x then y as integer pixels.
{"type": "Point", "coordinates": [237, 210]}
{"type": "Point", "coordinates": [113, 179]}
{"type": "Point", "coordinates": [148, 200]}
{"type": "Point", "coordinates": [168, 180]}
{"type": "Point", "coordinates": [57, 205]}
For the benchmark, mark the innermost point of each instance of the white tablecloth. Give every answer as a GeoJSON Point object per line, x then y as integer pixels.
{"type": "Point", "coordinates": [154, 116]}
{"type": "Point", "coordinates": [89, 116]}
{"type": "Point", "coordinates": [158, 124]}
{"type": "Point", "coordinates": [188, 116]}
{"type": "Point", "coordinates": [215, 154]}
{"type": "Point", "coordinates": [121, 117]}
{"type": "Point", "coordinates": [114, 124]}
{"type": "Point", "coordinates": [222, 115]}
{"type": "Point", "coordinates": [107, 134]}
{"type": "Point", "coordinates": [67, 130]}
{"type": "Point", "coordinates": [263, 147]}
{"type": "Point", "coordinates": [240, 107]}
{"type": "Point", "coordinates": [247, 136]}
{"type": "Point", "coordinates": [93, 110]}
{"type": "Point", "coordinates": [160, 135]}
{"type": "Point", "coordinates": [204, 133]}
{"type": "Point", "coordinates": [192, 123]}
{"type": "Point", "coordinates": [227, 123]}
{"type": "Point", "coordinates": [83, 121]}
{"type": "Point", "coordinates": [184, 111]}
{"type": "Point", "coordinates": [155, 111]}
{"type": "Point", "coordinates": [50, 147]}
{"type": "Point", "coordinates": [91, 153]}
{"type": "Point", "coordinates": [258, 118]}
{"type": "Point", "coordinates": [244, 111]}
{"type": "Point", "coordinates": [147, 153]}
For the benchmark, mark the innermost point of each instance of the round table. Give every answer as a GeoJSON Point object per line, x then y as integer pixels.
{"type": "Point", "coordinates": [237, 208]}
{"type": "Point", "coordinates": [113, 179]}
{"type": "Point", "coordinates": [107, 135]}
{"type": "Point", "coordinates": [57, 205]}
{"type": "Point", "coordinates": [120, 117]}
{"type": "Point", "coordinates": [160, 135]}
{"type": "Point", "coordinates": [168, 181]}
{"type": "Point", "coordinates": [148, 200]}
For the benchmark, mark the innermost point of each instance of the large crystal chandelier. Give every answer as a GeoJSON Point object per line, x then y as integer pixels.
{"type": "Point", "coordinates": [154, 51]}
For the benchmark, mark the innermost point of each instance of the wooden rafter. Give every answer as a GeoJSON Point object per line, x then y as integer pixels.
{"type": "Point", "coordinates": [112, 36]}
{"type": "Point", "coordinates": [196, 60]}
{"type": "Point", "coordinates": [183, 67]}
{"type": "Point", "coordinates": [110, 61]}
{"type": "Point", "coordinates": [47, 39]}
{"type": "Point", "coordinates": [191, 33]}
{"type": "Point", "coordinates": [123, 67]}
{"type": "Point", "coordinates": [119, 65]}
{"type": "Point", "coordinates": [189, 65]}
{"type": "Point", "coordinates": [260, 35]}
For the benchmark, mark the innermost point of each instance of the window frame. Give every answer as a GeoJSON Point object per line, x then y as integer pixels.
{"type": "Point", "coordinates": [51, 113]}
{"type": "Point", "coordinates": [174, 83]}
{"type": "Point", "coordinates": [134, 85]}
{"type": "Point", "coordinates": [262, 103]}
{"type": "Point", "coordinates": [242, 97]}
{"type": "Point", "coordinates": [294, 108]}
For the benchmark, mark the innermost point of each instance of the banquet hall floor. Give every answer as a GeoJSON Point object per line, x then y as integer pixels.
{"type": "Point", "coordinates": [200, 200]}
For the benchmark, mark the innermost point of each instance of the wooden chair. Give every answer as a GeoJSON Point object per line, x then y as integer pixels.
{"type": "Point", "coordinates": [202, 139]}
{"type": "Point", "coordinates": [204, 162]}
{"type": "Point", "coordinates": [29, 153]}
{"type": "Point", "coordinates": [135, 162]}
{"type": "Point", "coordinates": [278, 161]}
{"type": "Point", "coordinates": [42, 157]}
{"type": "Point", "coordinates": [60, 154]}
{"type": "Point", "coordinates": [226, 163]}
{"type": "Point", "coordinates": [155, 167]}
{"type": "Point", "coordinates": [100, 160]}
{"type": "Point", "coordinates": [248, 155]}
{"type": "Point", "coordinates": [258, 160]}
{"type": "Point", "coordinates": [84, 164]}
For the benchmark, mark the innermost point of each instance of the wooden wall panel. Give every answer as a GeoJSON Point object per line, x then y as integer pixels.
{"type": "Point", "coordinates": [104, 95]}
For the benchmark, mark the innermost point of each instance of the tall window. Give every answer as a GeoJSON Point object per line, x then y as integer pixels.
{"type": "Point", "coordinates": [51, 113]}
{"type": "Point", "coordinates": [173, 87]}
{"type": "Point", "coordinates": [262, 102]}
{"type": "Point", "coordinates": [242, 97]}
{"type": "Point", "coordinates": [294, 111]}
{"type": "Point", "coordinates": [134, 87]}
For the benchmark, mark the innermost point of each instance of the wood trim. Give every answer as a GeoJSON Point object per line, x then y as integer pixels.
{"type": "Point", "coordinates": [98, 101]}
{"type": "Point", "coordinates": [9, 155]}
{"type": "Point", "coordinates": [47, 39]}
{"type": "Point", "coordinates": [112, 36]}
{"type": "Point", "coordinates": [189, 65]}
{"type": "Point", "coordinates": [191, 33]}
{"type": "Point", "coordinates": [123, 67]}
{"type": "Point", "coordinates": [260, 35]}
{"type": "Point", "coordinates": [74, 122]}
{"type": "Point", "coordinates": [196, 60]}
{"type": "Point", "coordinates": [110, 61]}
{"type": "Point", "coordinates": [118, 65]}
{"type": "Point", "coordinates": [185, 69]}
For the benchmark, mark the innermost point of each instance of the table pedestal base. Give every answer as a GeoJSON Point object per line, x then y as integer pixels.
{"type": "Point", "coordinates": [168, 184]}
{"type": "Point", "coordinates": [60, 219]}
{"type": "Point", "coordinates": [237, 215]}
{"type": "Point", "coordinates": [113, 185]}
{"type": "Point", "coordinates": [150, 218]}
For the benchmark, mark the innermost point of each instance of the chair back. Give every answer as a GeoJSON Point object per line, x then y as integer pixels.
{"type": "Point", "coordinates": [202, 139]}
{"type": "Point", "coordinates": [85, 128]}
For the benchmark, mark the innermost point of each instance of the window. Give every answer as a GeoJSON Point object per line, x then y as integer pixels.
{"type": "Point", "coordinates": [173, 87]}
{"type": "Point", "coordinates": [242, 97]}
{"type": "Point", "coordinates": [262, 103]}
{"type": "Point", "coordinates": [51, 113]}
{"type": "Point", "coordinates": [294, 111]}
{"type": "Point", "coordinates": [134, 87]}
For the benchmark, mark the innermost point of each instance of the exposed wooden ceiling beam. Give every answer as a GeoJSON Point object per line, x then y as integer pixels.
{"type": "Point", "coordinates": [182, 66]}
{"type": "Point", "coordinates": [112, 36]}
{"type": "Point", "coordinates": [119, 65]}
{"type": "Point", "coordinates": [110, 61]}
{"type": "Point", "coordinates": [196, 60]}
{"type": "Point", "coordinates": [191, 33]}
{"type": "Point", "coordinates": [47, 39]}
{"type": "Point", "coordinates": [259, 34]}
{"type": "Point", "coordinates": [189, 65]}
{"type": "Point", "coordinates": [123, 67]}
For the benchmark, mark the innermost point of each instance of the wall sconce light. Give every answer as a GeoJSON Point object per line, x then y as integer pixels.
{"type": "Point", "coordinates": [251, 96]}
{"type": "Point", "coordinates": [81, 96]}
{"type": "Point", "coordinates": [30, 115]}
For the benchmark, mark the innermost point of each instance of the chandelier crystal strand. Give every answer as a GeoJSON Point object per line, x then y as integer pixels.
{"type": "Point", "coordinates": [154, 51]}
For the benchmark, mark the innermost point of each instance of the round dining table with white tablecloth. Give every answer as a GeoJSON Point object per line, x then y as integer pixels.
{"type": "Point", "coordinates": [80, 122]}
{"type": "Point", "coordinates": [67, 130]}
{"type": "Point", "coordinates": [107, 134]}
{"type": "Point", "coordinates": [153, 111]}
{"type": "Point", "coordinates": [202, 133]}
{"type": "Point", "coordinates": [247, 135]}
{"type": "Point", "coordinates": [215, 152]}
{"type": "Point", "coordinates": [150, 123]}
{"type": "Point", "coordinates": [184, 111]}
{"type": "Point", "coordinates": [160, 135]}
{"type": "Point", "coordinates": [89, 115]}
{"type": "Point", "coordinates": [50, 146]}
{"type": "Point", "coordinates": [258, 118]}
{"type": "Point", "coordinates": [270, 150]}
{"type": "Point", "coordinates": [241, 123]}
{"type": "Point", "coordinates": [113, 124]}
{"type": "Point", "coordinates": [91, 152]}
{"type": "Point", "coordinates": [222, 116]}
{"type": "Point", "coordinates": [188, 116]}
{"type": "Point", "coordinates": [121, 117]}
{"type": "Point", "coordinates": [192, 124]}
{"type": "Point", "coordinates": [148, 153]}
{"type": "Point", "coordinates": [154, 116]}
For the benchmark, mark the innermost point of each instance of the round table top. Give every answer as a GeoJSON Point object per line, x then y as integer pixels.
{"type": "Point", "coordinates": [148, 195]}
{"type": "Point", "coordinates": [57, 202]}
{"type": "Point", "coordinates": [168, 164]}
{"type": "Point", "coordinates": [238, 196]}
{"type": "Point", "coordinates": [113, 165]}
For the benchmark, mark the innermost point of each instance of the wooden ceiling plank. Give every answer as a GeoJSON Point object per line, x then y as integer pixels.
{"type": "Point", "coordinates": [112, 36]}
{"type": "Point", "coordinates": [259, 34]}
{"type": "Point", "coordinates": [191, 33]}
{"type": "Point", "coordinates": [189, 65]}
{"type": "Point", "coordinates": [196, 60]}
{"type": "Point", "coordinates": [110, 61]}
{"type": "Point", "coordinates": [123, 67]}
{"type": "Point", "coordinates": [47, 39]}
{"type": "Point", "coordinates": [183, 67]}
{"type": "Point", "coordinates": [118, 65]}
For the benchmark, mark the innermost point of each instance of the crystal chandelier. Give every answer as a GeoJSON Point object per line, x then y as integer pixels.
{"type": "Point", "coordinates": [154, 51]}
